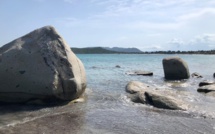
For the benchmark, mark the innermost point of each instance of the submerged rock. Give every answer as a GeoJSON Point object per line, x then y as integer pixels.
{"type": "Point", "coordinates": [196, 75]}
{"type": "Point", "coordinates": [175, 68]}
{"type": "Point", "coordinates": [207, 88]}
{"type": "Point", "coordinates": [40, 66]}
{"type": "Point", "coordinates": [204, 83]}
{"type": "Point", "coordinates": [117, 66]}
{"type": "Point", "coordinates": [143, 93]}
{"type": "Point", "coordinates": [160, 100]}
{"type": "Point", "coordinates": [144, 73]}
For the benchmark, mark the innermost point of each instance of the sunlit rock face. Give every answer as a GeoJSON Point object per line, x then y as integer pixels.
{"type": "Point", "coordinates": [160, 98]}
{"type": "Point", "coordinates": [40, 66]}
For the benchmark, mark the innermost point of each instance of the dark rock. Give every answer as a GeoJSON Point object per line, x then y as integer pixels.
{"type": "Point", "coordinates": [134, 98]}
{"type": "Point", "coordinates": [94, 67]}
{"type": "Point", "coordinates": [144, 73]}
{"type": "Point", "coordinates": [175, 68]}
{"type": "Point", "coordinates": [117, 66]}
{"type": "Point", "coordinates": [21, 72]}
{"type": "Point", "coordinates": [214, 75]}
{"type": "Point", "coordinates": [207, 88]}
{"type": "Point", "coordinates": [204, 83]}
{"type": "Point", "coordinates": [196, 75]}
{"type": "Point", "coordinates": [147, 73]}
{"type": "Point", "coordinates": [40, 66]}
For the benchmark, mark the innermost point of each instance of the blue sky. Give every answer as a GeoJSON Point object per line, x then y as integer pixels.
{"type": "Point", "coordinates": [149, 25]}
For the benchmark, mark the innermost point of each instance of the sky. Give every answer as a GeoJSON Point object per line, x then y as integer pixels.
{"type": "Point", "coordinates": [150, 25]}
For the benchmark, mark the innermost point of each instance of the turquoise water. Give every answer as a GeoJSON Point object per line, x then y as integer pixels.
{"type": "Point", "coordinates": [107, 108]}
{"type": "Point", "coordinates": [103, 74]}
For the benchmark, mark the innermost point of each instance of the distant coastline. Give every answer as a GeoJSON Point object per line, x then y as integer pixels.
{"type": "Point", "coordinates": [102, 50]}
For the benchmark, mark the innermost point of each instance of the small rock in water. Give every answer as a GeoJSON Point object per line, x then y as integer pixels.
{"type": "Point", "coordinates": [196, 75]}
{"type": "Point", "coordinates": [175, 68]}
{"type": "Point", "coordinates": [117, 66]}
{"type": "Point", "coordinates": [144, 73]}
{"type": "Point", "coordinates": [94, 67]}
{"type": "Point", "coordinates": [207, 88]}
{"type": "Point", "coordinates": [204, 83]}
{"type": "Point", "coordinates": [147, 73]}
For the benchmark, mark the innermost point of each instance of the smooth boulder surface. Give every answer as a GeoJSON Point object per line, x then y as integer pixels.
{"type": "Point", "coordinates": [143, 93]}
{"type": "Point", "coordinates": [40, 66]}
{"type": "Point", "coordinates": [136, 86]}
{"type": "Point", "coordinates": [175, 68]}
{"type": "Point", "coordinates": [160, 100]}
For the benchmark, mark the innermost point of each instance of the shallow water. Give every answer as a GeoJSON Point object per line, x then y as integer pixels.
{"type": "Point", "coordinates": [107, 108]}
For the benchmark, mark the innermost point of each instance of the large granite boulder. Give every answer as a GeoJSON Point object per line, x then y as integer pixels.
{"type": "Point", "coordinates": [175, 68]}
{"type": "Point", "coordinates": [40, 66]}
{"type": "Point", "coordinates": [160, 98]}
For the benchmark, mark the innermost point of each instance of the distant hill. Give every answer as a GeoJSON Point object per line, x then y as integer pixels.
{"type": "Point", "coordinates": [124, 50]}
{"type": "Point", "coordinates": [104, 50]}
{"type": "Point", "coordinates": [92, 50]}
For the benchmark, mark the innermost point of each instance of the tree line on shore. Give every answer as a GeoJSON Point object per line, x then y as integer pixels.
{"type": "Point", "coordinates": [182, 52]}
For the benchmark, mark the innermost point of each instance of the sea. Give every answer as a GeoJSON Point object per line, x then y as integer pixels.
{"type": "Point", "coordinates": [107, 108]}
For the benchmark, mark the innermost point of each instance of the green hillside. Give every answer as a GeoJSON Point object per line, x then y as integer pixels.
{"type": "Point", "coordinates": [101, 50]}
{"type": "Point", "coordinates": [92, 50]}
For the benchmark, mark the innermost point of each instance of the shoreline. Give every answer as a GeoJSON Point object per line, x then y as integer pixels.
{"type": "Point", "coordinates": [100, 50]}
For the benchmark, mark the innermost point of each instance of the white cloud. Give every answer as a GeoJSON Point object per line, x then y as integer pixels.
{"type": "Point", "coordinates": [176, 41]}
{"type": "Point", "coordinates": [144, 14]}
{"type": "Point", "coordinates": [143, 25]}
{"type": "Point", "coordinates": [206, 39]}
{"type": "Point", "coordinates": [200, 42]}
{"type": "Point", "coordinates": [154, 34]}
{"type": "Point", "coordinates": [152, 47]}
{"type": "Point", "coordinates": [175, 44]}
{"type": "Point", "coordinates": [149, 22]}
{"type": "Point", "coordinates": [137, 7]}
{"type": "Point", "coordinates": [197, 14]}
